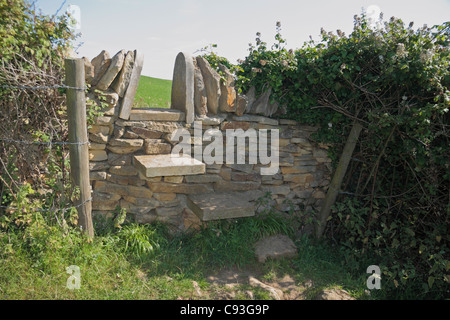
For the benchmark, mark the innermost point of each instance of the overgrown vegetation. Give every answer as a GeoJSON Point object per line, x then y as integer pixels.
{"type": "Point", "coordinates": [148, 262]}
{"type": "Point", "coordinates": [394, 211]}
{"type": "Point", "coordinates": [394, 80]}
{"type": "Point", "coordinates": [33, 171]}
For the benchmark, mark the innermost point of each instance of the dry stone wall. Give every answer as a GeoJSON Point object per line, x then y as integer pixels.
{"type": "Point", "coordinates": [117, 143]}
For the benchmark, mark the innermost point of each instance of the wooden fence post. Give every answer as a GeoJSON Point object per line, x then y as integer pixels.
{"type": "Point", "coordinates": [79, 150]}
{"type": "Point", "coordinates": [336, 182]}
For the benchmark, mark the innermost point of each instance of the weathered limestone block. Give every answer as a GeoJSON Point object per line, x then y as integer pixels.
{"type": "Point", "coordinates": [125, 180]}
{"type": "Point", "coordinates": [145, 133]}
{"type": "Point", "coordinates": [212, 120]}
{"type": "Point", "coordinates": [123, 190]}
{"type": "Point", "coordinates": [200, 99]}
{"type": "Point", "coordinates": [110, 97]}
{"type": "Point", "coordinates": [233, 125]}
{"type": "Point", "coordinates": [174, 179]}
{"type": "Point", "coordinates": [163, 187]}
{"type": "Point", "coordinates": [123, 170]}
{"type": "Point", "coordinates": [241, 105]}
{"type": "Point", "coordinates": [97, 175]}
{"type": "Point", "coordinates": [125, 146]}
{"type": "Point", "coordinates": [298, 178]}
{"type": "Point", "coordinates": [168, 165]}
{"type": "Point", "coordinates": [204, 178]}
{"type": "Point", "coordinates": [157, 114]}
{"type": "Point", "coordinates": [279, 190]}
{"type": "Point", "coordinates": [183, 86]}
{"type": "Point", "coordinates": [97, 146]}
{"type": "Point", "coordinates": [99, 138]}
{"type": "Point", "coordinates": [156, 146]}
{"type": "Point", "coordinates": [241, 176]}
{"type": "Point", "coordinates": [104, 201]}
{"type": "Point", "coordinates": [256, 118]}
{"type": "Point", "coordinates": [113, 70]}
{"type": "Point", "coordinates": [212, 84]}
{"type": "Point", "coordinates": [101, 64]}
{"type": "Point", "coordinates": [236, 186]}
{"type": "Point", "coordinates": [261, 104]}
{"type": "Point", "coordinates": [130, 93]}
{"type": "Point", "coordinates": [146, 218]}
{"type": "Point", "coordinates": [298, 169]}
{"type": "Point", "coordinates": [119, 159]}
{"type": "Point", "coordinates": [97, 155]}
{"type": "Point", "coordinates": [122, 81]}
{"type": "Point", "coordinates": [142, 202]}
{"type": "Point", "coordinates": [165, 196]}
{"type": "Point", "coordinates": [191, 221]}
{"type": "Point", "coordinates": [247, 168]}
{"type": "Point", "coordinates": [250, 99]}
{"type": "Point", "coordinates": [227, 100]}
{"type": "Point", "coordinates": [99, 129]}
{"type": "Point", "coordinates": [134, 209]}
{"type": "Point", "coordinates": [169, 211]}
{"type": "Point", "coordinates": [89, 71]}
{"type": "Point", "coordinates": [130, 135]}
{"type": "Point", "coordinates": [98, 166]}
{"type": "Point", "coordinates": [225, 173]}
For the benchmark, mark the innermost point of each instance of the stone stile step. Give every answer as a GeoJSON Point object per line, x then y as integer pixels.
{"type": "Point", "coordinates": [164, 165]}
{"type": "Point", "coordinates": [217, 206]}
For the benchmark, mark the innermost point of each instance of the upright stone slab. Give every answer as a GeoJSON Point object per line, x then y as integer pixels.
{"type": "Point", "coordinates": [250, 99]}
{"type": "Point", "coordinates": [130, 93]}
{"type": "Point", "coordinates": [113, 70]}
{"type": "Point", "coordinates": [183, 86]}
{"type": "Point", "coordinates": [261, 104]}
{"type": "Point", "coordinates": [200, 99]}
{"type": "Point", "coordinates": [101, 64]}
{"type": "Point", "coordinates": [212, 84]}
{"type": "Point", "coordinates": [227, 100]}
{"type": "Point", "coordinates": [121, 83]}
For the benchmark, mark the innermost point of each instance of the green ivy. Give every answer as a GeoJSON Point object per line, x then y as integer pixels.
{"type": "Point", "coordinates": [394, 80]}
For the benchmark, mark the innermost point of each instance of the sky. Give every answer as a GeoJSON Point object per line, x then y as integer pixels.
{"type": "Point", "coordinates": [161, 29]}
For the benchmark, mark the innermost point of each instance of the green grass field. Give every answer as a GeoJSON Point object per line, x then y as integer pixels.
{"type": "Point", "coordinates": [153, 93]}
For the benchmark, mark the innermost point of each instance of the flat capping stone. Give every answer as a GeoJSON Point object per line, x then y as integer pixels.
{"type": "Point", "coordinates": [218, 206]}
{"type": "Point", "coordinates": [168, 165]}
{"type": "Point", "coordinates": [157, 114]}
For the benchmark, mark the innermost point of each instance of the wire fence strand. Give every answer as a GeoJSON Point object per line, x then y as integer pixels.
{"type": "Point", "coordinates": [56, 86]}
{"type": "Point", "coordinates": [45, 143]}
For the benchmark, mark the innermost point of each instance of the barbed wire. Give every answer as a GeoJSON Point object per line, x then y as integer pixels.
{"type": "Point", "coordinates": [56, 86]}
{"type": "Point", "coordinates": [45, 143]}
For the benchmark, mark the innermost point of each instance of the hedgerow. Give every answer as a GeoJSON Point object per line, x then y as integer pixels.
{"type": "Point", "coordinates": [394, 206]}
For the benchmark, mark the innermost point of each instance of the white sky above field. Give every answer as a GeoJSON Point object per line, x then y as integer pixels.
{"type": "Point", "coordinates": [162, 28]}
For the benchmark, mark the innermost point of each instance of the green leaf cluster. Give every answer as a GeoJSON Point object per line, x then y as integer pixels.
{"type": "Point", "coordinates": [394, 80]}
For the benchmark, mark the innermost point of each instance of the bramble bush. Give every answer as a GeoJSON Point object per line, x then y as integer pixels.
{"type": "Point", "coordinates": [33, 177]}
{"type": "Point", "coordinates": [394, 207]}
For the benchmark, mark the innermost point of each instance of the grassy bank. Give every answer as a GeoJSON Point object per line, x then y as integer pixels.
{"type": "Point", "coordinates": [147, 262]}
{"type": "Point", "coordinates": [153, 93]}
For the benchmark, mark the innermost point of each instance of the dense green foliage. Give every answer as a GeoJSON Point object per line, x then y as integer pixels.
{"type": "Point", "coordinates": [32, 51]}
{"type": "Point", "coordinates": [393, 80]}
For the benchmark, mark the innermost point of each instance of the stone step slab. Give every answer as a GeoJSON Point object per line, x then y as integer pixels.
{"type": "Point", "coordinates": [155, 114]}
{"type": "Point", "coordinates": [168, 165]}
{"type": "Point", "coordinates": [217, 206]}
